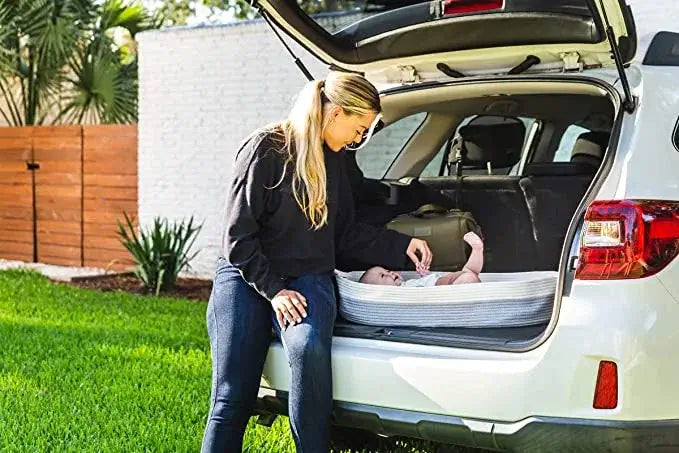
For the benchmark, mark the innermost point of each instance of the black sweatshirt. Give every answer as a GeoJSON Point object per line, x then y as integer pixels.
{"type": "Point", "coordinates": [270, 240]}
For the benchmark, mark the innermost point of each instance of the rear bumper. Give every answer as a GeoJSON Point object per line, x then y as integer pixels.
{"type": "Point", "coordinates": [537, 433]}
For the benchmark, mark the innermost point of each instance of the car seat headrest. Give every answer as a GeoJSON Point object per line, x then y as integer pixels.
{"type": "Point", "coordinates": [589, 148]}
{"type": "Point", "coordinates": [497, 142]}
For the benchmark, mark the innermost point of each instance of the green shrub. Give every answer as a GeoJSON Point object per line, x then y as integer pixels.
{"type": "Point", "coordinates": [161, 252]}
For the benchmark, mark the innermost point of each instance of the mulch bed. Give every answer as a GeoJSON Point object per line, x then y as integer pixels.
{"type": "Point", "coordinates": [185, 288]}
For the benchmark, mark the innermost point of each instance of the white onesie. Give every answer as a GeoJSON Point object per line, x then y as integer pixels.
{"type": "Point", "coordinates": [427, 280]}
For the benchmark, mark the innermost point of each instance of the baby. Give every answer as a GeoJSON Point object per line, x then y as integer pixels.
{"type": "Point", "coordinates": [469, 273]}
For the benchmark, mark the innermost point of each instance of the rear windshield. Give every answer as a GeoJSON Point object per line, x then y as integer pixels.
{"type": "Point", "coordinates": [361, 19]}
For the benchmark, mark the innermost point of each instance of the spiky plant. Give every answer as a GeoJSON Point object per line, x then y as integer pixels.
{"type": "Point", "coordinates": [161, 252]}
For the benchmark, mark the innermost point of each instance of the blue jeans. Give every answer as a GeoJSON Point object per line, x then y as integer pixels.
{"type": "Point", "coordinates": [239, 323]}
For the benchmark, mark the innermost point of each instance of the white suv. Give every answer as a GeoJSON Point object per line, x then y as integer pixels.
{"type": "Point", "coordinates": [601, 375]}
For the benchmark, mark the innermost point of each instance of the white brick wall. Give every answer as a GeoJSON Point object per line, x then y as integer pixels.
{"type": "Point", "coordinates": [201, 92]}
{"type": "Point", "coordinates": [203, 89]}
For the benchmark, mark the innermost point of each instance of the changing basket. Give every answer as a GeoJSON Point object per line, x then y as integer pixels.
{"type": "Point", "coordinates": [500, 300]}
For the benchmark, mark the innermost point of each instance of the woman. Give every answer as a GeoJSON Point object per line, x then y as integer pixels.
{"type": "Point", "coordinates": [289, 214]}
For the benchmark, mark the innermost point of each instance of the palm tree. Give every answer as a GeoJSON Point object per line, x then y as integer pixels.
{"type": "Point", "coordinates": [62, 56]}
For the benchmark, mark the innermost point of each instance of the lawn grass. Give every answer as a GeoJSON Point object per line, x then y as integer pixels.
{"type": "Point", "coordinates": [86, 371]}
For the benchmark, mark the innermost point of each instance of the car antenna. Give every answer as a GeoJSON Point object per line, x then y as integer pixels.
{"type": "Point", "coordinates": [298, 62]}
{"type": "Point", "coordinates": [629, 102]}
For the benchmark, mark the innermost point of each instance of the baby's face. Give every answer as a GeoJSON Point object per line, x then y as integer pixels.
{"type": "Point", "coordinates": [381, 276]}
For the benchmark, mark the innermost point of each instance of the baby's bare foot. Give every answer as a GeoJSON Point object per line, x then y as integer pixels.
{"type": "Point", "coordinates": [473, 239]}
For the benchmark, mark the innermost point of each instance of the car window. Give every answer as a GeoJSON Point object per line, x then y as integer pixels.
{"type": "Point", "coordinates": [434, 166]}
{"type": "Point", "coordinates": [563, 153]}
{"type": "Point", "coordinates": [676, 136]}
{"type": "Point", "coordinates": [352, 21]}
{"type": "Point", "coordinates": [377, 155]}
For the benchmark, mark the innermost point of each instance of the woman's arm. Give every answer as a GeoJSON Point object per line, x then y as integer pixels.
{"type": "Point", "coordinates": [254, 171]}
{"type": "Point", "coordinates": [377, 246]}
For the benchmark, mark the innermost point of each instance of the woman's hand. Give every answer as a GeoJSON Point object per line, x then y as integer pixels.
{"type": "Point", "coordinates": [422, 262]}
{"type": "Point", "coordinates": [289, 306]}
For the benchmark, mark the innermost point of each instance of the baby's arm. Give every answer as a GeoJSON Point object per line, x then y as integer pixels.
{"type": "Point", "coordinates": [475, 262]}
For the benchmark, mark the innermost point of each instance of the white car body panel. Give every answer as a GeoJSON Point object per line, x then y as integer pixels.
{"type": "Point", "coordinates": [597, 322]}
{"type": "Point", "coordinates": [630, 322]}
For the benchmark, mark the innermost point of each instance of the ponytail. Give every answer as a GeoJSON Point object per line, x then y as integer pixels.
{"type": "Point", "coordinates": [303, 131]}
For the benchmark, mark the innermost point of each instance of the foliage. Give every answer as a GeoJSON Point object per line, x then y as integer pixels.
{"type": "Point", "coordinates": [177, 12]}
{"type": "Point", "coordinates": [75, 57]}
{"type": "Point", "coordinates": [160, 252]}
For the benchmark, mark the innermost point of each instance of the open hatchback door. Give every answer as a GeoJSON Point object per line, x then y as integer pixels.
{"type": "Point", "coordinates": [406, 41]}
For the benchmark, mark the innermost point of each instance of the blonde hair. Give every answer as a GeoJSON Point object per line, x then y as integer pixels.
{"type": "Point", "coordinates": [302, 135]}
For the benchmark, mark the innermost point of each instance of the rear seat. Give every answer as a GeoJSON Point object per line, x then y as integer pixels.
{"type": "Point", "coordinates": [499, 206]}
{"type": "Point", "coordinates": [496, 201]}
{"type": "Point", "coordinates": [553, 191]}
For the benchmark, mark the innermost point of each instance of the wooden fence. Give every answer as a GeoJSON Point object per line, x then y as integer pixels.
{"type": "Point", "coordinates": [62, 189]}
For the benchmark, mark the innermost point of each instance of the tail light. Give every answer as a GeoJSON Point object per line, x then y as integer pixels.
{"type": "Point", "coordinates": [606, 388]}
{"type": "Point", "coordinates": [625, 239]}
{"type": "Point", "coordinates": [470, 6]}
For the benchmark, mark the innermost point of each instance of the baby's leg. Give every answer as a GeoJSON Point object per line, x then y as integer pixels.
{"type": "Point", "coordinates": [448, 279]}
{"type": "Point", "coordinates": [475, 262]}
{"type": "Point", "coordinates": [466, 277]}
